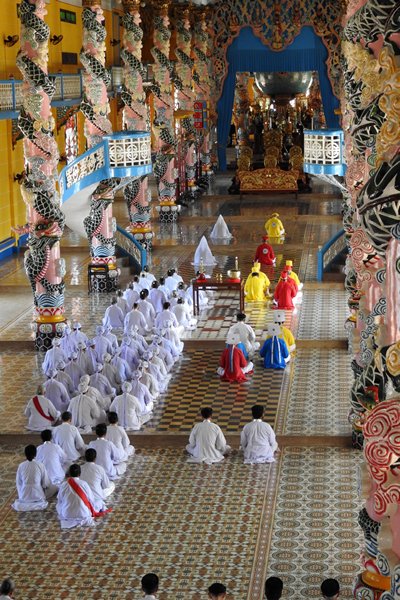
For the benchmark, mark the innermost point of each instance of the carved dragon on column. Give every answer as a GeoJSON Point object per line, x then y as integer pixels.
{"type": "Point", "coordinates": [99, 225]}
{"type": "Point", "coordinates": [44, 267]}
{"type": "Point", "coordinates": [136, 193]}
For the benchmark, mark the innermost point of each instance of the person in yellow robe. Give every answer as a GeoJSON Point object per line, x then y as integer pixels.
{"type": "Point", "coordinates": [255, 288]}
{"type": "Point", "coordinates": [274, 226]}
{"type": "Point", "coordinates": [256, 268]}
{"type": "Point", "coordinates": [292, 274]}
{"type": "Point", "coordinates": [285, 334]}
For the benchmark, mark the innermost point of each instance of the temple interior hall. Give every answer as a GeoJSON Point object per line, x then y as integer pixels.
{"type": "Point", "coordinates": [148, 136]}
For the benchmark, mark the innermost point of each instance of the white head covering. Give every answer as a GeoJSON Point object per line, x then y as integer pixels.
{"type": "Point", "coordinates": [126, 339]}
{"type": "Point", "coordinates": [56, 341]}
{"type": "Point", "coordinates": [273, 329]}
{"type": "Point", "coordinates": [81, 345]}
{"type": "Point", "coordinates": [84, 379]}
{"type": "Point", "coordinates": [76, 325]}
{"type": "Point", "coordinates": [61, 365]}
{"type": "Point", "coordinates": [203, 254]}
{"type": "Point", "coordinates": [99, 367]}
{"type": "Point", "coordinates": [99, 329]}
{"type": "Point", "coordinates": [137, 374]}
{"type": "Point", "coordinates": [126, 386]}
{"type": "Point", "coordinates": [83, 388]}
{"type": "Point", "coordinates": [279, 316]}
{"type": "Point", "coordinates": [53, 373]}
{"type": "Point", "coordinates": [107, 327]}
{"type": "Point", "coordinates": [74, 355]}
{"type": "Point", "coordinates": [233, 338]}
{"type": "Point", "coordinates": [106, 357]}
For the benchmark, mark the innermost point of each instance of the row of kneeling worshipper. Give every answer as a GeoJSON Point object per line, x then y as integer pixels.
{"type": "Point", "coordinates": [241, 345]}
{"type": "Point", "coordinates": [150, 587]}
{"type": "Point", "coordinates": [54, 466]}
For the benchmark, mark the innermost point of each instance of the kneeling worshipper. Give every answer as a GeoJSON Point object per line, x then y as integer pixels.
{"type": "Point", "coordinates": [73, 369]}
{"type": "Point", "coordinates": [53, 457]}
{"type": "Point", "coordinates": [108, 455]}
{"type": "Point", "coordinates": [128, 409]}
{"type": "Point", "coordinates": [258, 439]}
{"type": "Point", "coordinates": [117, 435]}
{"type": "Point", "coordinates": [206, 441]}
{"type": "Point", "coordinates": [255, 288]}
{"type": "Point", "coordinates": [97, 479]}
{"type": "Point", "coordinates": [56, 392]}
{"type": "Point", "coordinates": [114, 315]}
{"type": "Point", "coordinates": [285, 334]}
{"type": "Point", "coordinates": [33, 484]}
{"type": "Point", "coordinates": [101, 401]}
{"type": "Point", "coordinates": [101, 383]}
{"type": "Point", "coordinates": [68, 438]}
{"type": "Point", "coordinates": [265, 253]}
{"type": "Point", "coordinates": [111, 373]}
{"type": "Point", "coordinates": [233, 366]}
{"type": "Point", "coordinates": [75, 502]}
{"type": "Point", "coordinates": [40, 411]}
{"type": "Point", "coordinates": [284, 293]}
{"type": "Point", "coordinates": [274, 351]}
{"type": "Point", "coordinates": [256, 268]}
{"type": "Point", "coordinates": [183, 315]}
{"type": "Point", "coordinates": [247, 344]}
{"type": "Point", "coordinates": [157, 297]}
{"type": "Point", "coordinates": [134, 318]}
{"type": "Point", "coordinates": [54, 355]}
{"type": "Point", "coordinates": [274, 226]}
{"type": "Point", "coordinates": [292, 274]}
{"type": "Point", "coordinates": [140, 391]}
{"type": "Point", "coordinates": [84, 410]}
{"type": "Point", "coordinates": [65, 379]}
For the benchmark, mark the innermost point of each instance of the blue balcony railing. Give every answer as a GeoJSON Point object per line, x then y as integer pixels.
{"type": "Point", "coordinates": [323, 152]}
{"type": "Point", "coordinates": [335, 246]}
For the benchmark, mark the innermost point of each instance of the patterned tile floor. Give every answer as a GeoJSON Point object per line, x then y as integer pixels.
{"type": "Point", "coordinates": [323, 313]}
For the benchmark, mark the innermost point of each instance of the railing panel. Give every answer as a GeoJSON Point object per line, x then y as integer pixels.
{"type": "Point", "coordinates": [329, 252]}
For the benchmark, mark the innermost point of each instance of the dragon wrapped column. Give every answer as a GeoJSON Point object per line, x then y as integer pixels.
{"type": "Point", "coordinates": [137, 194]}
{"type": "Point", "coordinates": [44, 267]}
{"type": "Point", "coordinates": [163, 122]}
{"type": "Point", "coordinates": [99, 224]}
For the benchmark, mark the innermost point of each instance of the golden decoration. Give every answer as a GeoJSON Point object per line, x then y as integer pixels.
{"type": "Point", "coordinates": [393, 359]}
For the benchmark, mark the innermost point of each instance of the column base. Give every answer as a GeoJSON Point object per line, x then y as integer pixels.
{"type": "Point", "coordinates": [102, 279]}
{"type": "Point", "coordinates": [144, 237]}
{"type": "Point", "coordinates": [46, 332]}
{"type": "Point", "coordinates": [168, 213]}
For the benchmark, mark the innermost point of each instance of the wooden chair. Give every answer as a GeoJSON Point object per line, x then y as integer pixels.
{"type": "Point", "coordinates": [270, 162]}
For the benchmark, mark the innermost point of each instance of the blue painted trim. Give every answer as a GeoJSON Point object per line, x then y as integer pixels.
{"type": "Point", "coordinates": [143, 252]}
{"type": "Point", "coordinates": [8, 114]}
{"type": "Point", "coordinates": [315, 169]}
{"type": "Point", "coordinates": [67, 102]}
{"type": "Point", "coordinates": [22, 240]}
{"type": "Point", "coordinates": [338, 132]}
{"type": "Point", "coordinates": [7, 248]}
{"type": "Point", "coordinates": [323, 250]}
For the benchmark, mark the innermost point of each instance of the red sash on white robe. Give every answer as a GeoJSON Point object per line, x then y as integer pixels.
{"type": "Point", "coordinates": [78, 490]}
{"type": "Point", "coordinates": [40, 410]}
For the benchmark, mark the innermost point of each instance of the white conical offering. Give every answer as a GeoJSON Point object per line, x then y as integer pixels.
{"type": "Point", "coordinates": [203, 254]}
{"type": "Point", "coordinates": [220, 229]}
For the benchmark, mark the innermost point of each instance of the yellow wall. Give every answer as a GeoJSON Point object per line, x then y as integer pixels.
{"type": "Point", "coordinates": [12, 208]}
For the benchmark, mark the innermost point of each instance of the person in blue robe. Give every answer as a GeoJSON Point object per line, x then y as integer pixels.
{"type": "Point", "coordinates": [274, 351]}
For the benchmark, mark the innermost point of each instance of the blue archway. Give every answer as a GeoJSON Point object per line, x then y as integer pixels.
{"type": "Point", "coordinates": [247, 53]}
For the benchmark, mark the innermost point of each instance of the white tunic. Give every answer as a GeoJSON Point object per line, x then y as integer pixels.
{"type": "Point", "coordinates": [163, 318]}
{"type": "Point", "coordinates": [35, 420]}
{"type": "Point", "coordinates": [53, 356]}
{"type": "Point", "coordinates": [109, 457]}
{"type": "Point", "coordinates": [135, 319]}
{"type": "Point", "coordinates": [77, 337]}
{"type": "Point", "coordinates": [123, 305]}
{"type": "Point", "coordinates": [70, 440]}
{"type": "Point", "coordinates": [258, 442]}
{"type": "Point", "coordinates": [147, 310]}
{"type": "Point", "coordinates": [32, 480]}
{"type": "Point", "coordinates": [102, 346]}
{"type": "Point", "coordinates": [207, 443]}
{"type": "Point", "coordinates": [99, 483]}
{"type": "Point", "coordinates": [184, 316]}
{"type": "Point", "coordinates": [117, 435]}
{"type": "Point", "coordinates": [75, 372]}
{"type": "Point", "coordinates": [66, 380]}
{"type": "Point", "coordinates": [245, 333]}
{"type": "Point", "coordinates": [85, 412]}
{"type": "Point", "coordinates": [54, 459]}
{"type": "Point", "coordinates": [57, 394]}
{"type": "Point", "coordinates": [131, 297]}
{"type": "Point", "coordinates": [129, 411]}
{"type": "Point", "coordinates": [114, 317]}
{"type": "Point", "coordinates": [143, 395]}
{"type": "Point", "coordinates": [71, 511]}
{"type": "Point", "coordinates": [123, 369]}
{"type": "Point", "coordinates": [157, 297]}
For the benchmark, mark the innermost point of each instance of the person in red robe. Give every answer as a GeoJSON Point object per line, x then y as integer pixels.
{"type": "Point", "coordinates": [290, 280]}
{"type": "Point", "coordinates": [233, 365]}
{"type": "Point", "coordinates": [265, 253]}
{"type": "Point", "coordinates": [284, 293]}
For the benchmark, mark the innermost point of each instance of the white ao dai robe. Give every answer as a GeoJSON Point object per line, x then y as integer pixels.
{"type": "Point", "coordinates": [33, 487]}
{"type": "Point", "coordinates": [96, 477]}
{"type": "Point", "coordinates": [109, 457]}
{"type": "Point", "coordinates": [129, 411]}
{"type": "Point", "coordinates": [258, 442]}
{"type": "Point", "coordinates": [117, 435]}
{"type": "Point", "coordinates": [53, 457]}
{"type": "Point", "coordinates": [71, 510]}
{"type": "Point", "coordinates": [207, 443]}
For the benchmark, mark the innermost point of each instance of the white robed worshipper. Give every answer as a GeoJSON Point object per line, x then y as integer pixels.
{"type": "Point", "coordinates": [149, 276]}
{"type": "Point", "coordinates": [130, 352]}
{"type": "Point", "coordinates": [157, 297]}
{"type": "Point", "coordinates": [114, 315]}
{"type": "Point", "coordinates": [33, 484]}
{"type": "Point", "coordinates": [158, 362]}
{"type": "Point", "coordinates": [123, 369]}
{"type": "Point", "coordinates": [164, 316]}
{"type": "Point", "coordinates": [122, 303]}
{"type": "Point", "coordinates": [67, 344]}
{"type": "Point", "coordinates": [91, 357]}
{"type": "Point", "coordinates": [117, 435]}
{"type": "Point", "coordinates": [220, 231]}
{"type": "Point", "coordinates": [183, 315]}
{"type": "Point", "coordinates": [75, 502]}
{"type": "Point", "coordinates": [53, 457]}
{"type": "Point", "coordinates": [245, 332]}
{"type": "Point", "coordinates": [203, 254]}
{"type": "Point", "coordinates": [7, 589]}
{"type": "Point", "coordinates": [111, 372]}
{"type": "Point", "coordinates": [206, 441]}
{"type": "Point", "coordinates": [147, 310]}
{"type": "Point", "coordinates": [112, 338]}
{"type": "Point", "coordinates": [144, 283]}
{"type": "Point", "coordinates": [84, 410]}
{"type": "Point", "coordinates": [53, 356]}
{"type": "Point", "coordinates": [203, 298]}
{"type": "Point", "coordinates": [74, 370]}
{"type": "Point", "coordinates": [131, 296]}
{"type": "Point", "coordinates": [164, 353]}
{"type": "Point", "coordinates": [97, 479]}
{"type": "Point", "coordinates": [40, 411]}
{"type": "Point", "coordinates": [138, 339]}
{"type": "Point", "coordinates": [164, 288]}
{"type": "Point", "coordinates": [101, 383]}
{"type": "Point", "coordinates": [172, 282]}
{"type": "Point", "coordinates": [56, 392]}
{"type": "Point", "coordinates": [64, 378]}
{"type": "Point", "coordinates": [102, 344]}
{"type": "Point", "coordinates": [258, 439]}
{"type": "Point", "coordinates": [83, 359]}
{"type": "Point", "coordinates": [77, 336]}
{"type": "Point", "coordinates": [129, 409]}
{"type": "Point", "coordinates": [101, 401]}
{"type": "Point", "coordinates": [135, 318]}
{"type": "Point", "coordinates": [149, 380]}
{"type": "Point", "coordinates": [140, 391]}
{"type": "Point", "coordinates": [171, 339]}
{"type": "Point", "coordinates": [68, 438]}
{"type": "Point", "coordinates": [108, 455]}
{"type": "Point", "coordinates": [154, 371]}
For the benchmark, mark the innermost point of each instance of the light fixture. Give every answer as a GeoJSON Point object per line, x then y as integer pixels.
{"type": "Point", "coordinates": [10, 40]}
{"type": "Point", "coordinates": [56, 39]}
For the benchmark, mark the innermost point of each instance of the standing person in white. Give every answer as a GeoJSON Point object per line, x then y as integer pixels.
{"type": "Point", "coordinates": [97, 479]}
{"type": "Point", "coordinates": [117, 435]}
{"type": "Point", "coordinates": [33, 484]}
{"type": "Point", "coordinates": [68, 438]}
{"type": "Point", "coordinates": [53, 457]}
{"type": "Point", "coordinates": [40, 411]}
{"type": "Point", "coordinates": [207, 442]}
{"type": "Point", "coordinates": [258, 439]}
{"type": "Point", "coordinates": [108, 455]}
